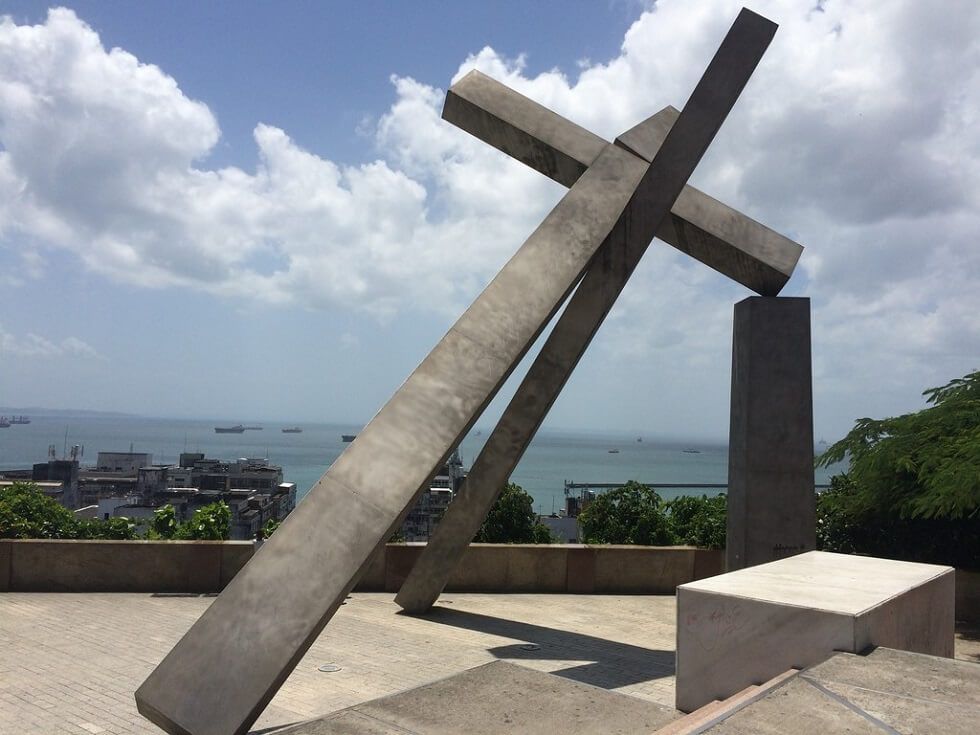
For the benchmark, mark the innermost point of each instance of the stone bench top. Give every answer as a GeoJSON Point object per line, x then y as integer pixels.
{"type": "Point", "coordinates": [838, 583]}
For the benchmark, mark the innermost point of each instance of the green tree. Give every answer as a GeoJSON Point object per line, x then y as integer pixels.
{"type": "Point", "coordinates": [26, 512]}
{"type": "Point", "coordinates": [209, 523]}
{"type": "Point", "coordinates": [921, 465]}
{"type": "Point", "coordinates": [631, 514]}
{"type": "Point", "coordinates": [912, 488]}
{"type": "Point", "coordinates": [512, 520]}
{"type": "Point", "coordinates": [698, 521]}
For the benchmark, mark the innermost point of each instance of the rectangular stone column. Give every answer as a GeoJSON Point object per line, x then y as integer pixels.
{"type": "Point", "coordinates": [771, 504]}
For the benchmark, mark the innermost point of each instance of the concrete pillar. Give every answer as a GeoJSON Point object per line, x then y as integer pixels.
{"type": "Point", "coordinates": [771, 504]}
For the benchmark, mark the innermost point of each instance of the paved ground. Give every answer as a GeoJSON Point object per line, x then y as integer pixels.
{"type": "Point", "coordinates": [69, 663]}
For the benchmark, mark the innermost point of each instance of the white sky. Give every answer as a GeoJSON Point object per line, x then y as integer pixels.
{"type": "Point", "coordinates": [152, 262]}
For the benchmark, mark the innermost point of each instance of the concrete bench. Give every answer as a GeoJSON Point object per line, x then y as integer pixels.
{"type": "Point", "coordinates": [745, 627]}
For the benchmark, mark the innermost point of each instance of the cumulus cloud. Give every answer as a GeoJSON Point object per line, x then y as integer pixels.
{"type": "Point", "coordinates": [36, 346]}
{"type": "Point", "coordinates": [859, 136]}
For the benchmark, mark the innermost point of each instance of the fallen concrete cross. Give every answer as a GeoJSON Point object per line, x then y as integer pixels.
{"type": "Point", "coordinates": [224, 671]}
{"type": "Point", "coordinates": [713, 233]}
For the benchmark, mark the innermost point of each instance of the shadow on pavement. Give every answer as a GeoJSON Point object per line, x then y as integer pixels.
{"type": "Point", "coordinates": [612, 664]}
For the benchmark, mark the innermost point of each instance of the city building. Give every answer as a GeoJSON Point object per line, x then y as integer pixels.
{"type": "Point", "coordinates": [424, 516]}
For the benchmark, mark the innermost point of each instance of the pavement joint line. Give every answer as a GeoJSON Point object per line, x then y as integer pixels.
{"type": "Point", "coordinates": [883, 726]}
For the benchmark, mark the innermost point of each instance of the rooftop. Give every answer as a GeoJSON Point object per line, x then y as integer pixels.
{"type": "Point", "coordinates": [69, 663]}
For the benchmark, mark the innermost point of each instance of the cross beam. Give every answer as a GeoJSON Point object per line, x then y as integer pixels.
{"type": "Point", "coordinates": [704, 228]}
{"type": "Point", "coordinates": [274, 609]}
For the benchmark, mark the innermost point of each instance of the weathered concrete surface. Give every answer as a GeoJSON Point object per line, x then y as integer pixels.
{"type": "Point", "coordinates": [885, 691]}
{"type": "Point", "coordinates": [496, 698]}
{"type": "Point", "coordinates": [628, 569]}
{"type": "Point", "coordinates": [967, 595]}
{"type": "Point", "coordinates": [5, 552]}
{"type": "Point", "coordinates": [163, 566]}
{"type": "Point", "coordinates": [747, 626]}
{"type": "Point", "coordinates": [521, 128]}
{"type": "Point", "coordinates": [52, 565]}
{"type": "Point", "coordinates": [771, 501]}
{"type": "Point", "coordinates": [274, 609]}
{"type": "Point", "coordinates": [587, 308]}
{"type": "Point", "coordinates": [704, 228]}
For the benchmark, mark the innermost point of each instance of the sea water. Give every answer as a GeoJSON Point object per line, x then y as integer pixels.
{"type": "Point", "coordinates": [553, 457]}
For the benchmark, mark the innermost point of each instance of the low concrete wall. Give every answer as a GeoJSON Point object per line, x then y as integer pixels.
{"type": "Point", "coordinates": [207, 566]}
{"type": "Point", "coordinates": [968, 595]}
{"type": "Point", "coordinates": [120, 566]}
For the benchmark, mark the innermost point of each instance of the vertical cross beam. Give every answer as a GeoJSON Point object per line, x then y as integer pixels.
{"type": "Point", "coordinates": [277, 605]}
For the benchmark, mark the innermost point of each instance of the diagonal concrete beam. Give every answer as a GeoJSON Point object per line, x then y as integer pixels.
{"type": "Point", "coordinates": [274, 609]}
{"type": "Point", "coordinates": [586, 310]}
{"type": "Point", "coordinates": [704, 228]}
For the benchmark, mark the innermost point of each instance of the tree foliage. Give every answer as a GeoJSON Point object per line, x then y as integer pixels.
{"type": "Point", "coordinates": [164, 524]}
{"type": "Point", "coordinates": [209, 523]}
{"type": "Point", "coordinates": [920, 465]}
{"type": "Point", "coordinates": [636, 514]}
{"type": "Point", "coordinates": [699, 521]}
{"type": "Point", "coordinates": [881, 532]}
{"type": "Point", "coordinates": [512, 520]}
{"type": "Point", "coordinates": [631, 514]}
{"type": "Point", "coordinates": [26, 512]}
{"type": "Point", "coordinates": [270, 527]}
{"type": "Point", "coordinates": [115, 529]}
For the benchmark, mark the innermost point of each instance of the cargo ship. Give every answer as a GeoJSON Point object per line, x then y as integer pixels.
{"type": "Point", "coordinates": [229, 429]}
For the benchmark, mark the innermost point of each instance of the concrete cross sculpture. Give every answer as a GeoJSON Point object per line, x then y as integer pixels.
{"type": "Point", "coordinates": [225, 670]}
{"type": "Point", "coordinates": [706, 229]}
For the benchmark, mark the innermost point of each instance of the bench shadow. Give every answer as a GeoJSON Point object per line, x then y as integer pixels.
{"type": "Point", "coordinates": [612, 664]}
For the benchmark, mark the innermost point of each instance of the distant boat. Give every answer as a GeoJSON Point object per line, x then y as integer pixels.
{"type": "Point", "coordinates": [4, 424]}
{"type": "Point", "coordinates": [292, 430]}
{"type": "Point", "coordinates": [614, 451]}
{"type": "Point", "coordinates": [229, 429]}
{"type": "Point", "coordinates": [639, 438]}
{"type": "Point", "coordinates": [691, 451]}
{"type": "Point", "coordinates": [348, 437]}
{"type": "Point", "coordinates": [20, 419]}
{"type": "Point", "coordinates": [253, 428]}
